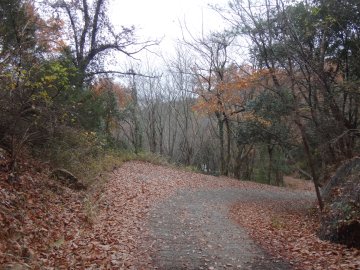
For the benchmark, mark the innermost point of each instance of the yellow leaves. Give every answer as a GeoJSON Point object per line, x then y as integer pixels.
{"type": "Point", "coordinates": [49, 78]}
{"type": "Point", "coordinates": [42, 96]}
{"type": "Point", "coordinates": [12, 86]}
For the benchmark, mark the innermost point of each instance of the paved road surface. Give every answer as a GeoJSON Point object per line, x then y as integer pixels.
{"type": "Point", "coordinates": [193, 231]}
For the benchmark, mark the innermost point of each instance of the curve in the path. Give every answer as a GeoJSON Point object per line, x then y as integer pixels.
{"type": "Point", "coordinates": [193, 231]}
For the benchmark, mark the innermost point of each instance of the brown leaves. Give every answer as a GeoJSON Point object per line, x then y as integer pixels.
{"type": "Point", "coordinates": [119, 237]}
{"type": "Point", "coordinates": [34, 215]}
{"type": "Point", "coordinates": [227, 93]}
{"type": "Point", "coordinates": [43, 225]}
{"type": "Point", "coordinates": [121, 93]}
{"type": "Point", "coordinates": [291, 234]}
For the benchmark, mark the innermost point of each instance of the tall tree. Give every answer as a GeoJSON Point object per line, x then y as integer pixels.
{"type": "Point", "coordinates": [92, 36]}
{"type": "Point", "coordinates": [209, 69]}
{"type": "Point", "coordinates": [309, 48]}
{"type": "Point", "coordinates": [29, 79]}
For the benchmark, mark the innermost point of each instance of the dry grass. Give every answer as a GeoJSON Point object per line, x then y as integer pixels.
{"type": "Point", "coordinates": [299, 184]}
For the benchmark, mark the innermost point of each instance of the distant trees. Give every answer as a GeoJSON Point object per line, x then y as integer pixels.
{"type": "Point", "coordinates": [309, 50]}
{"type": "Point", "coordinates": [209, 69]}
{"type": "Point", "coordinates": [269, 127]}
{"type": "Point", "coordinates": [295, 102]}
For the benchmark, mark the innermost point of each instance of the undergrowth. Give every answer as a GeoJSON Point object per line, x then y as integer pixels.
{"type": "Point", "coordinates": [91, 157]}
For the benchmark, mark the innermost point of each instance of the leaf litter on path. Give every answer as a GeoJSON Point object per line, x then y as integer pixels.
{"type": "Point", "coordinates": [48, 230]}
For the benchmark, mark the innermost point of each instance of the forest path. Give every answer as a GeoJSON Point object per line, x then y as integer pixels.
{"type": "Point", "coordinates": [193, 231]}
{"type": "Point", "coordinates": [157, 217]}
{"type": "Point", "coordinates": [191, 227]}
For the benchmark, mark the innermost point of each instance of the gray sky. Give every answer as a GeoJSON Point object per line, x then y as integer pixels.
{"type": "Point", "coordinates": [162, 18]}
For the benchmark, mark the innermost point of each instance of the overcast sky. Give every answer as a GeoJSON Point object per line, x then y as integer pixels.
{"type": "Point", "coordinates": [162, 18]}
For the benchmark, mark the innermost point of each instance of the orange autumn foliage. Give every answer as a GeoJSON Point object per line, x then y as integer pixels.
{"type": "Point", "coordinates": [230, 93]}
{"type": "Point", "coordinates": [121, 93]}
{"type": "Point", "coordinates": [49, 31]}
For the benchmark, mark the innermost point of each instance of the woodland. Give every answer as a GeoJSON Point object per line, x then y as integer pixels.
{"type": "Point", "coordinates": [287, 104]}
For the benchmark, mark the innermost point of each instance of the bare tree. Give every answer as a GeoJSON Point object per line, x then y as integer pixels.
{"type": "Point", "coordinates": [92, 36]}
{"type": "Point", "coordinates": [210, 66]}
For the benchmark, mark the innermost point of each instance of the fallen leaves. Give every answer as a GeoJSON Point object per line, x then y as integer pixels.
{"type": "Point", "coordinates": [36, 217]}
{"type": "Point", "coordinates": [291, 234]}
{"type": "Point", "coordinates": [119, 237]}
{"type": "Point", "coordinates": [44, 225]}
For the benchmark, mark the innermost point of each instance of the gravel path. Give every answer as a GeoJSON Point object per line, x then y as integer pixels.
{"type": "Point", "coordinates": [193, 231]}
{"type": "Point", "coordinates": [157, 217]}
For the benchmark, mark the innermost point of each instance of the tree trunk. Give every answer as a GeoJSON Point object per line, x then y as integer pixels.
{"type": "Point", "coordinates": [152, 139]}
{"type": "Point", "coordinates": [311, 163]}
{"type": "Point", "coordinates": [270, 149]}
{"type": "Point", "coordinates": [228, 149]}
{"type": "Point", "coordinates": [221, 140]}
{"type": "Point", "coordinates": [135, 116]}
